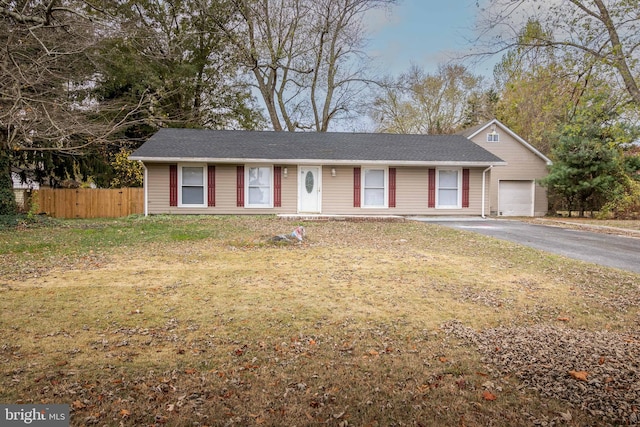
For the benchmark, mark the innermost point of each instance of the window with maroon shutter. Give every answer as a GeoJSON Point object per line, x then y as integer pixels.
{"type": "Point", "coordinates": [392, 187]}
{"type": "Point", "coordinates": [277, 186]}
{"type": "Point", "coordinates": [211, 185]}
{"type": "Point", "coordinates": [173, 185]}
{"type": "Point", "coordinates": [432, 188]}
{"type": "Point", "coordinates": [356, 187]}
{"type": "Point", "coordinates": [465, 188]}
{"type": "Point", "coordinates": [240, 186]}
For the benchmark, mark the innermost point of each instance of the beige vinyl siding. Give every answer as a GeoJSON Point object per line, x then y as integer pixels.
{"type": "Point", "coordinates": [412, 192]}
{"type": "Point", "coordinates": [157, 189]}
{"type": "Point", "coordinates": [337, 193]}
{"type": "Point", "coordinates": [226, 203]}
{"type": "Point", "coordinates": [522, 165]}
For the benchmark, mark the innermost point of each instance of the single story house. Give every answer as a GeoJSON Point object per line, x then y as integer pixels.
{"type": "Point", "coordinates": [190, 171]}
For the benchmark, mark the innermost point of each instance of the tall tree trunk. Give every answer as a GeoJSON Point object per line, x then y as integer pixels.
{"type": "Point", "coordinates": [619, 59]}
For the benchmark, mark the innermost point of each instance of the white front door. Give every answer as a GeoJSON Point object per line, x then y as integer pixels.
{"type": "Point", "coordinates": [309, 189]}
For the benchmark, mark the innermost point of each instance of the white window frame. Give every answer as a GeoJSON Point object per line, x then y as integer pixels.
{"type": "Point", "coordinates": [385, 189]}
{"type": "Point", "coordinates": [248, 204]}
{"type": "Point", "coordinates": [458, 204]}
{"type": "Point", "coordinates": [493, 137]}
{"type": "Point", "coordinates": [205, 178]}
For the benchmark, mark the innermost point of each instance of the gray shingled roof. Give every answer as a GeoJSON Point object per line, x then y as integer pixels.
{"type": "Point", "coordinates": [291, 147]}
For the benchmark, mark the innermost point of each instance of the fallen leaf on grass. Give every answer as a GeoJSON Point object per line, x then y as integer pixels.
{"type": "Point", "coordinates": [442, 359]}
{"type": "Point", "coordinates": [487, 395]}
{"type": "Point", "coordinates": [124, 413]}
{"type": "Point", "coordinates": [340, 415]}
{"type": "Point", "coordinates": [488, 385]}
{"type": "Point", "coordinates": [78, 405]}
{"type": "Point", "coordinates": [563, 319]}
{"type": "Point", "coordinates": [579, 375]}
{"type": "Point", "coordinates": [423, 388]}
{"type": "Point", "coordinates": [190, 371]}
{"type": "Point", "coordinates": [566, 416]}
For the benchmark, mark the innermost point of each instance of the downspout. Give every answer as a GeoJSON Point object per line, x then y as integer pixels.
{"type": "Point", "coordinates": [146, 190]}
{"type": "Point", "coordinates": [484, 180]}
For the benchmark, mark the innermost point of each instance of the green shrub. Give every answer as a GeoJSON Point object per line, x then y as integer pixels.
{"type": "Point", "coordinates": [625, 204]}
{"type": "Point", "coordinates": [8, 204]}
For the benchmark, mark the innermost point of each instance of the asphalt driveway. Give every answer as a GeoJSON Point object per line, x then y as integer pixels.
{"type": "Point", "coordinates": [598, 248]}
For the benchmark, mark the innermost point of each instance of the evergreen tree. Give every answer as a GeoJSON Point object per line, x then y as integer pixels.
{"type": "Point", "coordinates": [585, 170]}
{"type": "Point", "coordinates": [7, 198]}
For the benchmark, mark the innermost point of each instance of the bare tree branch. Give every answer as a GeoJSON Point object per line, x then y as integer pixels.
{"type": "Point", "coordinates": [299, 53]}
{"type": "Point", "coordinates": [606, 31]}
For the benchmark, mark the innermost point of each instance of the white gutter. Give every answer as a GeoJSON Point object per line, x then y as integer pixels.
{"type": "Point", "coordinates": [312, 161]}
{"type": "Point", "coordinates": [146, 190]}
{"type": "Point", "coordinates": [484, 179]}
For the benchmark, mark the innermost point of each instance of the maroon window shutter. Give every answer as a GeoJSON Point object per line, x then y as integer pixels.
{"type": "Point", "coordinates": [356, 187]}
{"type": "Point", "coordinates": [392, 187]}
{"type": "Point", "coordinates": [277, 186]}
{"type": "Point", "coordinates": [432, 188]}
{"type": "Point", "coordinates": [465, 188]}
{"type": "Point", "coordinates": [211, 185]}
{"type": "Point", "coordinates": [240, 186]}
{"type": "Point", "coordinates": [173, 185]}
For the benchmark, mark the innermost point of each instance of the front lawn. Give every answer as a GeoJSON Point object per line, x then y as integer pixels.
{"type": "Point", "coordinates": [206, 321]}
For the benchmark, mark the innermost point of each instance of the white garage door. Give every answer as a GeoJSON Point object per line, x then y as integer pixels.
{"type": "Point", "coordinates": [515, 198]}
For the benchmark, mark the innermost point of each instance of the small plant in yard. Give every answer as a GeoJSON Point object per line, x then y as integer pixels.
{"type": "Point", "coordinates": [202, 321]}
{"type": "Point", "coordinates": [34, 205]}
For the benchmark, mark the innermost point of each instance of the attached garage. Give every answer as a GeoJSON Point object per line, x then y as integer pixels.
{"type": "Point", "coordinates": [516, 198]}
{"type": "Point", "coordinates": [514, 189]}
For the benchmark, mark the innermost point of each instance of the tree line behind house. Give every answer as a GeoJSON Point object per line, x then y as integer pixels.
{"type": "Point", "coordinates": [84, 83]}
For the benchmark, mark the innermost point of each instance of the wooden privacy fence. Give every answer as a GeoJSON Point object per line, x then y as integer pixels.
{"type": "Point", "coordinates": [91, 202]}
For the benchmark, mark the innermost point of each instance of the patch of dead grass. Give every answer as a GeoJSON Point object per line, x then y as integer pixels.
{"type": "Point", "coordinates": [611, 226]}
{"type": "Point", "coordinates": [343, 329]}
